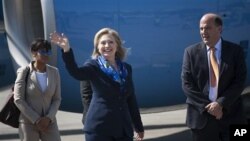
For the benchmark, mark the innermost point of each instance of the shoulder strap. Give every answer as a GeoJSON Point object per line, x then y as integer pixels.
{"type": "Point", "coordinates": [26, 78]}
{"type": "Point", "coordinates": [27, 74]}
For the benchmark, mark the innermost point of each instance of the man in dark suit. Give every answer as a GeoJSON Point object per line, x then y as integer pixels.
{"type": "Point", "coordinates": [86, 94]}
{"type": "Point", "coordinates": [212, 106]}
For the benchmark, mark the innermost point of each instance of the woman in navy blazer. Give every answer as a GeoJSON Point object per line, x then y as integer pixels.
{"type": "Point", "coordinates": [113, 111]}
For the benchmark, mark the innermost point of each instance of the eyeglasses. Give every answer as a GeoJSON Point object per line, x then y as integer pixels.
{"type": "Point", "coordinates": [45, 52]}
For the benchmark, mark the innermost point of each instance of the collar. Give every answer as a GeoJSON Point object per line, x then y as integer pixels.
{"type": "Point", "coordinates": [217, 46]}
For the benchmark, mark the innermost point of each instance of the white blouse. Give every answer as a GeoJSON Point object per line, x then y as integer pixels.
{"type": "Point", "coordinates": [42, 79]}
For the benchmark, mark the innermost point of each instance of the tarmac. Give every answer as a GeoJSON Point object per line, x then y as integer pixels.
{"type": "Point", "coordinates": [161, 124]}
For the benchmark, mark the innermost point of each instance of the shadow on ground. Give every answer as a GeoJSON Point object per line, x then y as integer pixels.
{"type": "Point", "coordinates": [184, 135]}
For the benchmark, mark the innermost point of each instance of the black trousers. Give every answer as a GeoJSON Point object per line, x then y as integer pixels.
{"type": "Point", "coordinates": [213, 131]}
{"type": "Point", "coordinates": [98, 137]}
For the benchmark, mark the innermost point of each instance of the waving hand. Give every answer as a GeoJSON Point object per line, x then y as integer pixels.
{"type": "Point", "coordinates": [60, 40]}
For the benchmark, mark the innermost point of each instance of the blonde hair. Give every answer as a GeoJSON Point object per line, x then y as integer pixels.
{"type": "Point", "coordinates": [121, 51]}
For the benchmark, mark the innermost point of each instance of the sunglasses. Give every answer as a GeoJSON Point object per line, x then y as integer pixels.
{"type": "Point", "coordinates": [45, 52]}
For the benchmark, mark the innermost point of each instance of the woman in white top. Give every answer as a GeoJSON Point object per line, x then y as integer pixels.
{"type": "Point", "coordinates": [40, 98]}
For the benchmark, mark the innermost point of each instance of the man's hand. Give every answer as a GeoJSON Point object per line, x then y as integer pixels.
{"type": "Point", "coordinates": [215, 109]}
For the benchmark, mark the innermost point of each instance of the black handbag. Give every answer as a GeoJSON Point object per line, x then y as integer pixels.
{"type": "Point", "coordinates": [9, 114]}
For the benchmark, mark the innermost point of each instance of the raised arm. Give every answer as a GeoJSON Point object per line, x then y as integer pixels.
{"type": "Point", "coordinates": [79, 73]}
{"type": "Point", "coordinates": [60, 40]}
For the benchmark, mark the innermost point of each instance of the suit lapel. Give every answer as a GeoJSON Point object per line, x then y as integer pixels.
{"type": "Point", "coordinates": [36, 83]}
{"type": "Point", "coordinates": [223, 57]}
{"type": "Point", "coordinates": [49, 79]}
{"type": "Point", "coordinates": [203, 61]}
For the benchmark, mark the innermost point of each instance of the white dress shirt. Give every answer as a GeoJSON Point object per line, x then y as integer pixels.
{"type": "Point", "coordinates": [213, 91]}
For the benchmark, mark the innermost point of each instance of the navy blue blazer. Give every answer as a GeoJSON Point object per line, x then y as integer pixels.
{"type": "Point", "coordinates": [195, 83]}
{"type": "Point", "coordinates": [110, 112]}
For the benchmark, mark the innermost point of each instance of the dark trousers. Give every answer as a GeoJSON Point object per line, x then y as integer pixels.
{"type": "Point", "coordinates": [98, 137]}
{"type": "Point", "coordinates": [213, 131]}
